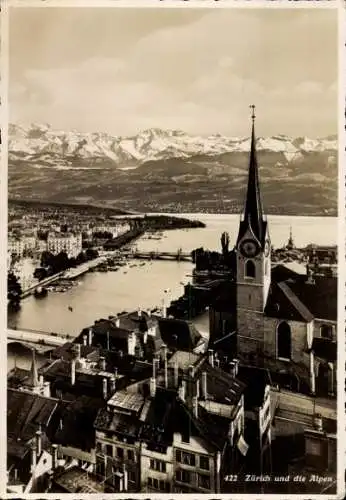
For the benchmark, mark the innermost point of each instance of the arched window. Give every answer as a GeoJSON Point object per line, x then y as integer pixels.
{"type": "Point", "coordinates": [266, 267]}
{"type": "Point", "coordinates": [284, 340]}
{"type": "Point", "coordinates": [327, 331]}
{"type": "Point", "coordinates": [250, 270]}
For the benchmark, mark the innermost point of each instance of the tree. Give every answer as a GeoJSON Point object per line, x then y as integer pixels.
{"type": "Point", "coordinates": [81, 258]}
{"type": "Point", "coordinates": [225, 243]}
{"type": "Point", "coordinates": [47, 259]}
{"type": "Point", "coordinates": [14, 289]}
{"type": "Point", "coordinates": [91, 254]}
{"type": "Point", "coordinates": [61, 262]}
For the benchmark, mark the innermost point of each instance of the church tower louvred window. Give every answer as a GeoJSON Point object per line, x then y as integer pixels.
{"type": "Point", "coordinates": [250, 269]}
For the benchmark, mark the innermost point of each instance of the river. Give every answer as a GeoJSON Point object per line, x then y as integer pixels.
{"type": "Point", "coordinates": [99, 295]}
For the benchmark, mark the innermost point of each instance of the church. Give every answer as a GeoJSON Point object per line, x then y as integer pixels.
{"type": "Point", "coordinates": [269, 316]}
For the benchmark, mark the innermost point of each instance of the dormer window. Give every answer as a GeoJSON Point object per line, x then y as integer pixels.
{"type": "Point", "coordinates": [250, 269]}
{"type": "Point", "coordinates": [327, 331]}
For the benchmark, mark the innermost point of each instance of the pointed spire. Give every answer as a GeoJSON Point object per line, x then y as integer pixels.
{"type": "Point", "coordinates": [253, 212]}
{"type": "Point", "coordinates": [33, 378]}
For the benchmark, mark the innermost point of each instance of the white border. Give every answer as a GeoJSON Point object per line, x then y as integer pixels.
{"type": "Point", "coordinates": [204, 4]}
{"type": "Point", "coordinates": [3, 235]}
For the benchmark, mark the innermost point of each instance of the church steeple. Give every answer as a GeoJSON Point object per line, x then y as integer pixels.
{"type": "Point", "coordinates": [253, 212]}
{"type": "Point", "coordinates": [33, 378]}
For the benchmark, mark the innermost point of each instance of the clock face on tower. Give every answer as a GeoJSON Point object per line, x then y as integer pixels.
{"type": "Point", "coordinates": [249, 248]}
{"type": "Point", "coordinates": [267, 248]}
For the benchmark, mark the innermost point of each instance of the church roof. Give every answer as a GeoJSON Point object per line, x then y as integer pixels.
{"type": "Point", "coordinates": [300, 299]}
{"type": "Point", "coordinates": [319, 296]}
{"type": "Point", "coordinates": [282, 303]}
{"type": "Point", "coordinates": [253, 213]}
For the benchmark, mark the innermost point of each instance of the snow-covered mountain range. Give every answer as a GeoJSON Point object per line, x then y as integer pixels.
{"type": "Point", "coordinates": [42, 146]}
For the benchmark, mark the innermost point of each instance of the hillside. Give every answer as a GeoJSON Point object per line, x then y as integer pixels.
{"type": "Point", "coordinates": [160, 170]}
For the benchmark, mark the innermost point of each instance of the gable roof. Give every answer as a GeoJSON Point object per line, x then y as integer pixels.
{"type": "Point", "coordinates": [282, 303]}
{"type": "Point", "coordinates": [320, 296]}
{"type": "Point", "coordinates": [77, 419]}
{"type": "Point", "coordinates": [26, 412]}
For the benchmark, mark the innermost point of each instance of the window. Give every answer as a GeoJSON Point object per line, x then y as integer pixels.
{"type": "Point", "coordinates": [203, 481]}
{"type": "Point", "coordinates": [130, 455]}
{"type": "Point", "coordinates": [120, 452]}
{"type": "Point", "coordinates": [158, 465]}
{"type": "Point", "coordinates": [99, 447]}
{"type": "Point", "coordinates": [158, 484]}
{"type": "Point", "coordinates": [313, 447]}
{"type": "Point", "coordinates": [131, 476]}
{"type": "Point", "coordinates": [109, 450]}
{"type": "Point", "coordinates": [204, 463]}
{"type": "Point", "coordinates": [250, 270]}
{"type": "Point", "coordinates": [185, 437]}
{"type": "Point", "coordinates": [183, 476]}
{"type": "Point", "coordinates": [266, 267]}
{"type": "Point", "coordinates": [327, 332]}
{"type": "Point", "coordinates": [100, 468]}
{"type": "Point", "coordinates": [284, 340]}
{"type": "Point", "coordinates": [185, 458]}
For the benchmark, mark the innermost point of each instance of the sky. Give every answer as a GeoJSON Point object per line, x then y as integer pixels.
{"type": "Point", "coordinates": [120, 71]}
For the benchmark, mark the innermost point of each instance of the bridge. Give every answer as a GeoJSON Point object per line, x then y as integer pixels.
{"type": "Point", "coordinates": [179, 255]}
{"type": "Point", "coordinates": [42, 341]}
{"type": "Point", "coordinates": [41, 284]}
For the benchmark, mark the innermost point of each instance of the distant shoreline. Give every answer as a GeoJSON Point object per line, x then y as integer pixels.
{"type": "Point", "coordinates": [126, 212]}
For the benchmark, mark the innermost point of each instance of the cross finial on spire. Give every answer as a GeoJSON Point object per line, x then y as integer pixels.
{"type": "Point", "coordinates": [253, 116]}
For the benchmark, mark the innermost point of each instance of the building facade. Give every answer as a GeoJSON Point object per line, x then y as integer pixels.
{"type": "Point", "coordinates": [64, 242]}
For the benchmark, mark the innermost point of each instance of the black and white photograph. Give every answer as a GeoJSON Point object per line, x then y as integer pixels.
{"type": "Point", "coordinates": [173, 251]}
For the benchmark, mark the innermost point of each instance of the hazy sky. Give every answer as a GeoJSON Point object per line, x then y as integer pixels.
{"type": "Point", "coordinates": [124, 70]}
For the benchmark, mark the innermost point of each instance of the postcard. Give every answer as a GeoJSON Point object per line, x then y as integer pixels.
{"type": "Point", "coordinates": [175, 235]}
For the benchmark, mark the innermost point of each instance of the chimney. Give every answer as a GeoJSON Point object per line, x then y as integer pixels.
{"type": "Point", "coordinates": [103, 363]}
{"type": "Point", "coordinates": [176, 373]}
{"type": "Point", "coordinates": [165, 364]}
{"type": "Point", "coordinates": [33, 456]}
{"type": "Point", "coordinates": [195, 406]}
{"type": "Point", "coordinates": [46, 389]}
{"type": "Point", "coordinates": [54, 456]}
{"type": "Point", "coordinates": [211, 357]}
{"type": "Point", "coordinates": [236, 366]}
{"type": "Point", "coordinates": [152, 387]}
{"type": "Point", "coordinates": [182, 390]}
{"type": "Point", "coordinates": [38, 443]}
{"type": "Point", "coordinates": [149, 313]}
{"type": "Point", "coordinates": [204, 386]}
{"type": "Point", "coordinates": [113, 384]}
{"type": "Point", "coordinates": [139, 312]}
{"type": "Point", "coordinates": [154, 368]}
{"type": "Point", "coordinates": [90, 336]}
{"type": "Point", "coordinates": [197, 389]}
{"type": "Point", "coordinates": [85, 340]}
{"type": "Point", "coordinates": [78, 351]}
{"type": "Point", "coordinates": [104, 388]}
{"type": "Point", "coordinates": [73, 372]}
{"type": "Point", "coordinates": [117, 323]}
